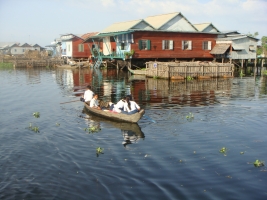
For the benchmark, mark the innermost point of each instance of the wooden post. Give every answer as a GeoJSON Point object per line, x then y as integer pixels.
{"type": "Point", "coordinates": [262, 66]}
{"type": "Point", "coordinates": [242, 66]}
{"type": "Point", "coordinates": [255, 67]}
{"type": "Point", "coordinates": [117, 65]}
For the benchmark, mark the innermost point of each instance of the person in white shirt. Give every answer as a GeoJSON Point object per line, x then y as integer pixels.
{"type": "Point", "coordinates": [94, 102]}
{"type": "Point", "coordinates": [130, 107]}
{"type": "Point", "coordinates": [117, 107]}
{"type": "Point", "coordinates": [88, 94]}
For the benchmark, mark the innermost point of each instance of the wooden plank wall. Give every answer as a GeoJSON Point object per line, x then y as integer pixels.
{"type": "Point", "coordinates": [177, 52]}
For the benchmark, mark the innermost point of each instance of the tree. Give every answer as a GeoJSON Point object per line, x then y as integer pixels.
{"type": "Point", "coordinates": [264, 45]}
{"type": "Point", "coordinates": [253, 35]}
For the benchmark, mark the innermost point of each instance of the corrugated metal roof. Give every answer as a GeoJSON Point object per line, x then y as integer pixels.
{"type": "Point", "coordinates": [219, 48]}
{"type": "Point", "coordinates": [121, 26]}
{"type": "Point", "coordinates": [88, 35]}
{"type": "Point", "coordinates": [201, 27]}
{"type": "Point", "coordinates": [26, 45]}
{"type": "Point", "coordinates": [158, 21]}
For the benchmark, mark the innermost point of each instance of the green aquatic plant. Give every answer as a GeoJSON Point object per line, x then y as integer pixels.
{"type": "Point", "coordinates": [99, 151]}
{"type": "Point", "coordinates": [92, 129]}
{"type": "Point", "coordinates": [223, 150]}
{"type": "Point", "coordinates": [47, 67]}
{"type": "Point", "coordinates": [57, 124]}
{"type": "Point", "coordinates": [190, 116]}
{"type": "Point", "coordinates": [265, 72]}
{"type": "Point", "coordinates": [189, 78]}
{"type": "Point", "coordinates": [36, 114]}
{"type": "Point", "coordinates": [33, 128]}
{"type": "Point", "coordinates": [155, 77]}
{"type": "Point", "coordinates": [258, 163]}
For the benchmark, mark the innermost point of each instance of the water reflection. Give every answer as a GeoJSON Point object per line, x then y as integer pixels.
{"type": "Point", "coordinates": [112, 85]}
{"type": "Point", "coordinates": [131, 132]}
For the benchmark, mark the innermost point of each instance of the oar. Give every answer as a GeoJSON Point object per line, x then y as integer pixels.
{"type": "Point", "coordinates": [69, 101]}
{"type": "Point", "coordinates": [149, 118]}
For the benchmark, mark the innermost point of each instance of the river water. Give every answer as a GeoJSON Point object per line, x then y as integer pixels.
{"type": "Point", "coordinates": [172, 153]}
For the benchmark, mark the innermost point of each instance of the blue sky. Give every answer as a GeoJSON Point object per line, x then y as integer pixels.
{"type": "Point", "coordinates": [41, 21]}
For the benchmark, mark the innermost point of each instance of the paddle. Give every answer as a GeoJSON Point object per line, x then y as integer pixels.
{"type": "Point", "coordinates": [150, 118]}
{"type": "Point", "coordinates": [69, 101]}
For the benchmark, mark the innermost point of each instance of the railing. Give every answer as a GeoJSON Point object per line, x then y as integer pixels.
{"type": "Point", "coordinates": [112, 55]}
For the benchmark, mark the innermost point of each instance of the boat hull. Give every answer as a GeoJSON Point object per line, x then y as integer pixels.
{"type": "Point", "coordinates": [134, 118]}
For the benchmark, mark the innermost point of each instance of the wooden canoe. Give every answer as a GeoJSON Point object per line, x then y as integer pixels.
{"type": "Point", "coordinates": [137, 71]}
{"type": "Point", "coordinates": [134, 118]}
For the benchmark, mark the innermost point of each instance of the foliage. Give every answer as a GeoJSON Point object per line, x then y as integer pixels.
{"type": "Point", "coordinates": [155, 77]}
{"type": "Point", "coordinates": [265, 72]}
{"type": "Point", "coordinates": [33, 128]}
{"type": "Point", "coordinates": [263, 48]}
{"type": "Point", "coordinates": [6, 65]}
{"type": "Point", "coordinates": [189, 78]}
{"type": "Point", "coordinates": [253, 35]}
{"type": "Point", "coordinates": [258, 163]}
{"type": "Point", "coordinates": [189, 116]}
{"type": "Point", "coordinates": [129, 53]}
{"type": "Point", "coordinates": [99, 150]}
{"type": "Point", "coordinates": [36, 114]}
{"type": "Point", "coordinates": [92, 129]}
{"type": "Point", "coordinates": [57, 124]}
{"type": "Point", "coordinates": [223, 150]}
{"type": "Point", "coordinates": [241, 74]}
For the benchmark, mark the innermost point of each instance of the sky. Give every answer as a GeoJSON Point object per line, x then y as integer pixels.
{"type": "Point", "coordinates": [41, 21]}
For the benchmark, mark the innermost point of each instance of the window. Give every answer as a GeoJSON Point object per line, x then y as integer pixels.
{"type": "Point", "coordinates": [23, 50]}
{"type": "Point", "coordinates": [123, 46]}
{"type": "Point", "coordinates": [15, 50]}
{"type": "Point", "coordinates": [167, 44]}
{"type": "Point", "coordinates": [144, 44]}
{"type": "Point", "coordinates": [206, 45]}
{"type": "Point", "coordinates": [80, 48]}
{"type": "Point", "coordinates": [252, 48]}
{"type": "Point", "coordinates": [187, 45]}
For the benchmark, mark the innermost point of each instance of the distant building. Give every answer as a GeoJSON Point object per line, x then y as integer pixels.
{"type": "Point", "coordinates": [72, 45]}
{"type": "Point", "coordinates": [17, 49]}
{"type": "Point", "coordinates": [235, 46]}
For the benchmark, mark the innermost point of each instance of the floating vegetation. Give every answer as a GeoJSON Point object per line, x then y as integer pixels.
{"type": "Point", "coordinates": [241, 74]}
{"type": "Point", "coordinates": [155, 77]}
{"type": "Point", "coordinates": [47, 67]}
{"type": "Point", "coordinates": [92, 129]}
{"type": "Point", "coordinates": [190, 116]}
{"type": "Point", "coordinates": [33, 128]}
{"type": "Point", "coordinates": [223, 150]}
{"type": "Point", "coordinates": [57, 124]}
{"type": "Point", "coordinates": [36, 114]}
{"type": "Point", "coordinates": [258, 163]}
{"type": "Point", "coordinates": [99, 150]}
{"type": "Point", "coordinates": [265, 72]}
{"type": "Point", "coordinates": [241, 152]}
{"type": "Point", "coordinates": [189, 78]}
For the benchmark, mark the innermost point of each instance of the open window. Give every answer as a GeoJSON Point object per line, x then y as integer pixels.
{"type": "Point", "coordinates": [167, 44]}
{"type": "Point", "coordinates": [187, 45]}
{"type": "Point", "coordinates": [144, 44]}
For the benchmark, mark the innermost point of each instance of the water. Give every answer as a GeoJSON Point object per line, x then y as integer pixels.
{"type": "Point", "coordinates": [170, 154]}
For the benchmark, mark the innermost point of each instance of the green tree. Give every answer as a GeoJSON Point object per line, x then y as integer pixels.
{"type": "Point", "coordinates": [253, 35]}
